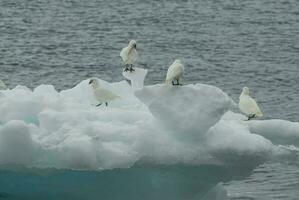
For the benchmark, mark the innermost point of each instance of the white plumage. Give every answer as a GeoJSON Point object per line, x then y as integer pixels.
{"type": "Point", "coordinates": [129, 55]}
{"type": "Point", "coordinates": [102, 95]}
{"type": "Point", "coordinates": [248, 105]}
{"type": "Point", "coordinates": [175, 73]}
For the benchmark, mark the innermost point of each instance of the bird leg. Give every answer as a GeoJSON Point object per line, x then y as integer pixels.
{"type": "Point", "coordinates": [251, 117]}
{"type": "Point", "coordinates": [131, 68]}
{"type": "Point", "coordinates": [177, 82]}
{"type": "Point", "coordinates": [126, 68]}
{"type": "Point", "coordinates": [180, 82]}
{"type": "Point", "coordinates": [98, 104]}
{"type": "Point", "coordinates": [106, 103]}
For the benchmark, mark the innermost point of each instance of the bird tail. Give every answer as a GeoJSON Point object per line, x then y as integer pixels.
{"type": "Point", "coordinates": [259, 114]}
{"type": "Point", "coordinates": [168, 82]}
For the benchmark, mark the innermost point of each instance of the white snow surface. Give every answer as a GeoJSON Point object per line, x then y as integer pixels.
{"type": "Point", "coordinates": [158, 124]}
{"type": "Point", "coordinates": [136, 77]}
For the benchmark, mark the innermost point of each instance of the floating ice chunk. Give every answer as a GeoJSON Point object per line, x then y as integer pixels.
{"type": "Point", "coordinates": [276, 130]}
{"type": "Point", "coordinates": [22, 87]}
{"type": "Point", "coordinates": [77, 152]}
{"type": "Point", "coordinates": [23, 104]}
{"type": "Point", "coordinates": [136, 77]}
{"type": "Point", "coordinates": [45, 90]}
{"type": "Point", "coordinates": [232, 142]}
{"type": "Point", "coordinates": [108, 137]}
{"type": "Point", "coordinates": [16, 145]}
{"type": "Point", "coordinates": [190, 109]}
{"type": "Point", "coordinates": [229, 116]}
{"type": "Point", "coordinates": [162, 125]}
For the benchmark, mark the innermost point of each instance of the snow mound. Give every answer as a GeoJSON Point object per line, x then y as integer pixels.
{"type": "Point", "coordinates": [136, 77]}
{"type": "Point", "coordinates": [191, 109]}
{"type": "Point", "coordinates": [232, 142]}
{"type": "Point", "coordinates": [276, 130]}
{"type": "Point", "coordinates": [161, 125]}
{"type": "Point", "coordinates": [16, 145]}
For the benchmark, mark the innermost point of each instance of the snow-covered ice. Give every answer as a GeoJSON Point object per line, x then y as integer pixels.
{"type": "Point", "coordinates": [158, 124]}
{"type": "Point", "coordinates": [136, 77]}
{"type": "Point", "coordinates": [191, 109]}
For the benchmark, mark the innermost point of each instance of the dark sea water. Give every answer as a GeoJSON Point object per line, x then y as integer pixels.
{"type": "Point", "coordinates": [226, 43]}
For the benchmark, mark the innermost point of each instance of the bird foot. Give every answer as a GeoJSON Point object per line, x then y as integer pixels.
{"type": "Point", "coordinates": [126, 69]}
{"type": "Point", "coordinates": [176, 83]}
{"type": "Point", "coordinates": [250, 117]}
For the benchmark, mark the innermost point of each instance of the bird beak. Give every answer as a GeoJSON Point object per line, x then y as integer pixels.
{"type": "Point", "coordinates": [90, 82]}
{"type": "Point", "coordinates": [135, 46]}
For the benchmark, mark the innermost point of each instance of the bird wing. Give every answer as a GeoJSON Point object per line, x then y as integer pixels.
{"type": "Point", "coordinates": [129, 55]}
{"type": "Point", "coordinates": [124, 54]}
{"type": "Point", "coordinates": [174, 71]}
{"type": "Point", "coordinates": [133, 56]}
{"type": "Point", "coordinates": [104, 95]}
{"type": "Point", "coordinates": [250, 106]}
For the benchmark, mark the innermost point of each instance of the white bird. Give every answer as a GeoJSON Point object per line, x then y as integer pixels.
{"type": "Point", "coordinates": [2, 85]}
{"type": "Point", "coordinates": [129, 55]}
{"type": "Point", "coordinates": [248, 105]}
{"type": "Point", "coordinates": [102, 95]}
{"type": "Point", "coordinates": [175, 73]}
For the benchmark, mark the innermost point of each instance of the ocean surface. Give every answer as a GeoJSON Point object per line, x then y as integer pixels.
{"type": "Point", "coordinates": [226, 43]}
